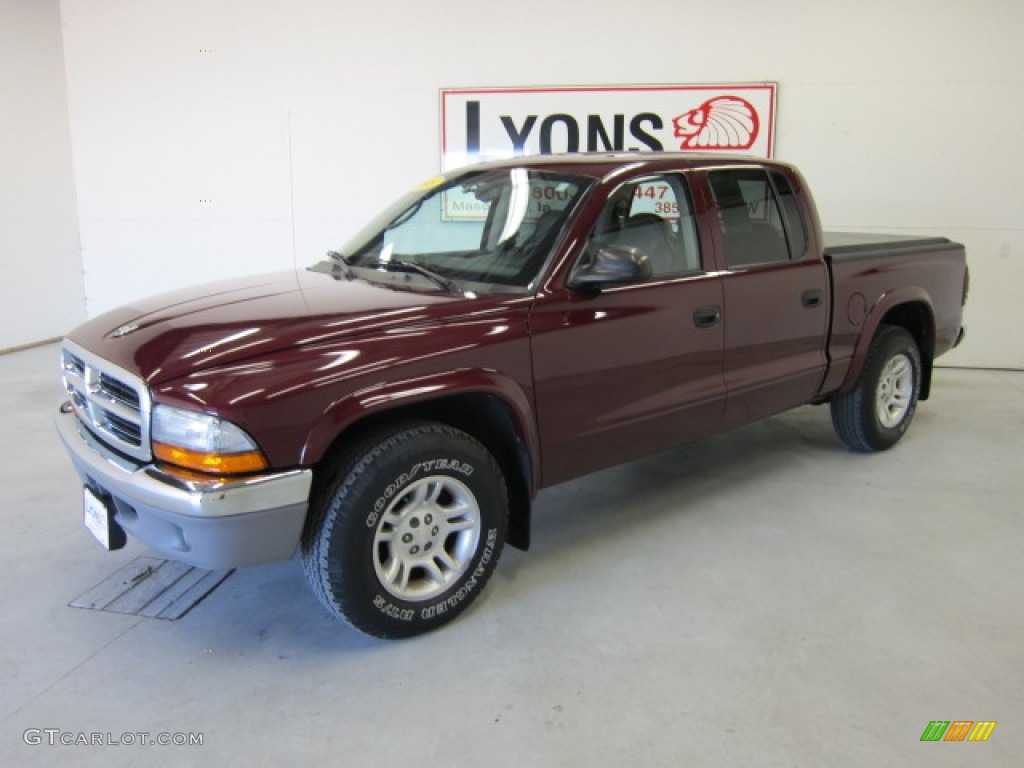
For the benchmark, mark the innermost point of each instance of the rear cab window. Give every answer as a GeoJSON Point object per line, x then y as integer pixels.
{"type": "Point", "coordinates": [758, 216]}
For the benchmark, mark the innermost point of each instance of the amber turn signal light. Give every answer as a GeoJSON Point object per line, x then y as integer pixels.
{"type": "Point", "coordinates": [210, 463]}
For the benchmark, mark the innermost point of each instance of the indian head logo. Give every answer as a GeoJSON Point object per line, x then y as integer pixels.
{"type": "Point", "coordinates": [725, 122]}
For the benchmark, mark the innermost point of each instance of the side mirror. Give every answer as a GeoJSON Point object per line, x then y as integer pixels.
{"type": "Point", "coordinates": [612, 265]}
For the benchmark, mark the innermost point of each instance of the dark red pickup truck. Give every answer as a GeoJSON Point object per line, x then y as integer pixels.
{"type": "Point", "coordinates": [393, 410]}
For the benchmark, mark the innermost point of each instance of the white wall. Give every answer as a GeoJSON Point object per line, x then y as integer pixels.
{"type": "Point", "coordinates": [41, 292]}
{"type": "Point", "coordinates": [903, 116]}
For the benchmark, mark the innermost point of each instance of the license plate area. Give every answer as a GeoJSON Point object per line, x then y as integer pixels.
{"type": "Point", "coordinates": [99, 520]}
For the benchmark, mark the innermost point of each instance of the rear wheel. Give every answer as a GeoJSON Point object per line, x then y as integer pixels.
{"type": "Point", "coordinates": [407, 529]}
{"type": "Point", "coordinates": [874, 415]}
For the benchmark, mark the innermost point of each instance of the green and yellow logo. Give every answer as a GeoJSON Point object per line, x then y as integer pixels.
{"type": "Point", "coordinates": [958, 730]}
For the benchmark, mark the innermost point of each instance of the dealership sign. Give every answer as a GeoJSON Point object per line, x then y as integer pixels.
{"type": "Point", "coordinates": [484, 124]}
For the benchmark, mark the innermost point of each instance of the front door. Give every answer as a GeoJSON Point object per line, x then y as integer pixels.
{"type": "Point", "coordinates": [637, 368]}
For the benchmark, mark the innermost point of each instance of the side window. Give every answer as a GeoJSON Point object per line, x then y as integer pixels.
{"type": "Point", "coordinates": [794, 221]}
{"type": "Point", "coordinates": [751, 220]}
{"type": "Point", "coordinates": [654, 215]}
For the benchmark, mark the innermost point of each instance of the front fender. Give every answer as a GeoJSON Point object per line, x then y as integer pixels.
{"type": "Point", "coordinates": [394, 396]}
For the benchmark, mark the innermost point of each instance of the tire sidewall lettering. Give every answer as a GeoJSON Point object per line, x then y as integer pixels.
{"type": "Point", "coordinates": [401, 481]}
{"type": "Point", "coordinates": [391, 610]}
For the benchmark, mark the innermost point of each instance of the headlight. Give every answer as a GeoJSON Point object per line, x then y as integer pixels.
{"type": "Point", "coordinates": [204, 443]}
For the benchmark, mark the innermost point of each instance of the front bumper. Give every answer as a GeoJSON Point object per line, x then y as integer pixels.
{"type": "Point", "coordinates": [213, 524]}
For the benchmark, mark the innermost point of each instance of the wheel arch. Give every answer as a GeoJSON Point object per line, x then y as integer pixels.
{"type": "Point", "coordinates": [910, 309]}
{"type": "Point", "coordinates": [490, 409]}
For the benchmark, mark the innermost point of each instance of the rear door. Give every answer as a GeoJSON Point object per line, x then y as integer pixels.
{"type": "Point", "coordinates": [775, 293]}
{"type": "Point", "coordinates": [636, 368]}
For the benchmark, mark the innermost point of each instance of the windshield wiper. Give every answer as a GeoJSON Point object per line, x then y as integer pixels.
{"type": "Point", "coordinates": [343, 260]}
{"type": "Point", "coordinates": [445, 282]}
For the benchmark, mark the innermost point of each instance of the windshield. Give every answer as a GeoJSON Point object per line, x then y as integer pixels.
{"type": "Point", "coordinates": [493, 229]}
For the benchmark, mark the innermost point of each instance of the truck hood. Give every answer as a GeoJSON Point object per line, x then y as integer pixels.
{"type": "Point", "coordinates": [174, 334]}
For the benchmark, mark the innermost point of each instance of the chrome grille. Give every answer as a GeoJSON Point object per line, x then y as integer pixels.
{"type": "Point", "coordinates": [126, 430]}
{"type": "Point", "coordinates": [73, 363]}
{"type": "Point", "coordinates": [119, 392]}
{"type": "Point", "coordinates": [111, 402]}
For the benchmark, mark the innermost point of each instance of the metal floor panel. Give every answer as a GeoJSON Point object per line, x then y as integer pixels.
{"type": "Point", "coordinates": [149, 586]}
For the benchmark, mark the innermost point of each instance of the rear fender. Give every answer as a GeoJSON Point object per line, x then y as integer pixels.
{"type": "Point", "coordinates": [909, 308]}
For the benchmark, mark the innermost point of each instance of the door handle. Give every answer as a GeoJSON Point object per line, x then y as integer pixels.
{"type": "Point", "coordinates": [707, 316]}
{"type": "Point", "coordinates": [811, 297]}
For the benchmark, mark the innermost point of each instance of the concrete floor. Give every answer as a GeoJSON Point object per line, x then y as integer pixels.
{"type": "Point", "coordinates": [763, 598]}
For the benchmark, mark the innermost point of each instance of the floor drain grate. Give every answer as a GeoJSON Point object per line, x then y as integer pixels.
{"type": "Point", "coordinates": [149, 586]}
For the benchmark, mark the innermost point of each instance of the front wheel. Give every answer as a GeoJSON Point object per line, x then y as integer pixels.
{"type": "Point", "coordinates": [874, 415]}
{"type": "Point", "coordinates": [407, 529]}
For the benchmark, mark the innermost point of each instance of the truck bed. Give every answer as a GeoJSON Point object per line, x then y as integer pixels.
{"type": "Point", "coordinates": [928, 273]}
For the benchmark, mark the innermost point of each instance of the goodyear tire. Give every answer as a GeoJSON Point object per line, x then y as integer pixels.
{"type": "Point", "coordinates": [876, 413]}
{"type": "Point", "coordinates": [406, 529]}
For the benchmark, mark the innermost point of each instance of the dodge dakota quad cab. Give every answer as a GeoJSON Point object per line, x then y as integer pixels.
{"type": "Point", "coordinates": [392, 411]}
